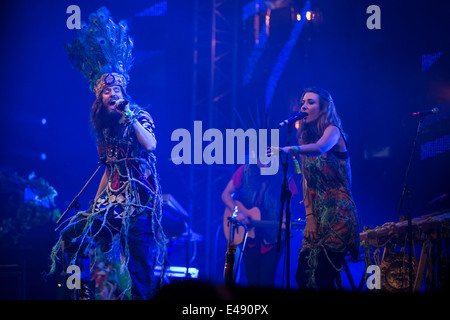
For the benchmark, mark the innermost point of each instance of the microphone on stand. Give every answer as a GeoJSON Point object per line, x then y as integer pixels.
{"type": "Point", "coordinates": [232, 220]}
{"type": "Point", "coordinates": [300, 115]}
{"type": "Point", "coordinates": [438, 199]}
{"type": "Point", "coordinates": [424, 113]}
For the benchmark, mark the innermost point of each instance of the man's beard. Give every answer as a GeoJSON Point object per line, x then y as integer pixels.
{"type": "Point", "coordinates": [108, 119]}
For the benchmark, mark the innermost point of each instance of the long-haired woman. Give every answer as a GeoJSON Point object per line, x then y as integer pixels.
{"type": "Point", "coordinates": [331, 221]}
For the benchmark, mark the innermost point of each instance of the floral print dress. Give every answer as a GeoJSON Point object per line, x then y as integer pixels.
{"type": "Point", "coordinates": [328, 181]}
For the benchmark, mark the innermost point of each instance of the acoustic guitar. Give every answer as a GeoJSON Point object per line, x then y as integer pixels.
{"type": "Point", "coordinates": [254, 216]}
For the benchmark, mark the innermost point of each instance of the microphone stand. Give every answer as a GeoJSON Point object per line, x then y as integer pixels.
{"type": "Point", "coordinates": [230, 272]}
{"type": "Point", "coordinates": [406, 191]}
{"type": "Point", "coordinates": [188, 241]}
{"type": "Point", "coordinates": [285, 199]}
{"type": "Point", "coordinates": [75, 204]}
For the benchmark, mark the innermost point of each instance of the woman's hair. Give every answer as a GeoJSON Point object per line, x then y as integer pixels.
{"type": "Point", "coordinates": [311, 132]}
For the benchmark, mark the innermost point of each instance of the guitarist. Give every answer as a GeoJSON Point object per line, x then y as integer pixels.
{"type": "Point", "coordinates": [263, 191]}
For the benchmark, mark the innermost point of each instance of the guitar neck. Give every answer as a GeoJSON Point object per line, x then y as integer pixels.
{"type": "Point", "coordinates": [273, 224]}
{"type": "Point", "coordinates": [263, 223]}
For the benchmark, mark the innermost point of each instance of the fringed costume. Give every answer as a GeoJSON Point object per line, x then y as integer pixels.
{"type": "Point", "coordinates": [125, 217]}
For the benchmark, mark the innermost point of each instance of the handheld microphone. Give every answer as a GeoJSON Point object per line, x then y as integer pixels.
{"type": "Point", "coordinates": [121, 105]}
{"type": "Point", "coordinates": [300, 115]}
{"type": "Point", "coordinates": [424, 113]}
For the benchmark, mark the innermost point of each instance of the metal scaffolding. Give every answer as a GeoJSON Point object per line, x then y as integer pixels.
{"type": "Point", "coordinates": [214, 90]}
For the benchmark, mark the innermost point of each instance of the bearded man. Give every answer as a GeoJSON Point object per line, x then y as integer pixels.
{"type": "Point", "coordinates": [126, 211]}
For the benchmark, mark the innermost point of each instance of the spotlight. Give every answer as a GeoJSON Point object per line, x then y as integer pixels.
{"type": "Point", "coordinates": [299, 17]}
{"type": "Point", "coordinates": [308, 15]}
{"type": "Point", "coordinates": [43, 121]}
{"type": "Point", "coordinates": [43, 156]}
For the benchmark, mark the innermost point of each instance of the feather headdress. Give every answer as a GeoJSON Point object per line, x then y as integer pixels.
{"type": "Point", "coordinates": [102, 51]}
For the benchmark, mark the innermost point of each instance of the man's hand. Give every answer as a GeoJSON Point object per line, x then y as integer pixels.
{"type": "Point", "coordinates": [121, 110]}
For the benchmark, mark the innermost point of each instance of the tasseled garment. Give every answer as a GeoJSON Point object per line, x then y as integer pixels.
{"type": "Point", "coordinates": [133, 189]}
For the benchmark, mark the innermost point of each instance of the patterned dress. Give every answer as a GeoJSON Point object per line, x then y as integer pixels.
{"type": "Point", "coordinates": [328, 180]}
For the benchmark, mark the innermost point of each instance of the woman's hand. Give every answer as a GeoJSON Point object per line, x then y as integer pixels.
{"type": "Point", "coordinates": [276, 150]}
{"type": "Point", "coordinates": [311, 229]}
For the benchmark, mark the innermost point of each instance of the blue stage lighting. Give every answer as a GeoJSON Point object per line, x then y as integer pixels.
{"type": "Point", "coordinates": [284, 56]}
{"type": "Point", "coordinates": [433, 148]}
{"type": "Point", "coordinates": [429, 59]}
{"type": "Point", "coordinates": [156, 10]}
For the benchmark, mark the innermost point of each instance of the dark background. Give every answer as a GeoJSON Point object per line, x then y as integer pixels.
{"type": "Point", "coordinates": [374, 76]}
